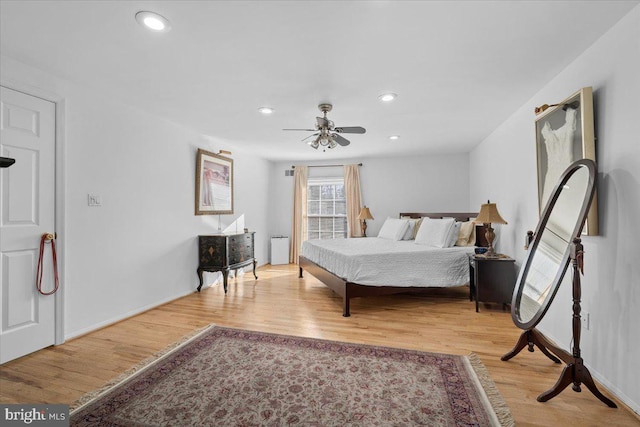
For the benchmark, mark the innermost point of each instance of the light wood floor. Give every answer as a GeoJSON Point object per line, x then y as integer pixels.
{"type": "Point", "coordinates": [443, 321]}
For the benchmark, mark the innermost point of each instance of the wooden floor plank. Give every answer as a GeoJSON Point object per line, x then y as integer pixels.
{"type": "Point", "coordinates": [279, 302]}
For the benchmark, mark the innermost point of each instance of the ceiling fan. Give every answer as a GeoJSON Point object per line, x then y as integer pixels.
{"type": "Point", "coordinates": [327, 134]}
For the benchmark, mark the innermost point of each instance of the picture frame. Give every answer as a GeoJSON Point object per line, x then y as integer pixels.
{"type": "Point", "coordinates": [565, 133]}
{"type": "Point", "coordinates": [214, 184]}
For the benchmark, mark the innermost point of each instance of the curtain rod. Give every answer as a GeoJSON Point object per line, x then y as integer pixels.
{"type": "Point", "coordinates": [323, 166]}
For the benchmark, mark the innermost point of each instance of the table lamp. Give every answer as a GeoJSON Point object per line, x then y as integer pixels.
{"type": "Point", "coordinates": [364, 215]}
{"type": "Point", "coordinates": [488, 215]}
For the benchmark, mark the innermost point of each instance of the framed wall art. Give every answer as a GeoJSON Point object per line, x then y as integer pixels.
{"type": "Point", "coordinates": [214, 184]}
{"type": "Point", "coordinates": [564, 134]}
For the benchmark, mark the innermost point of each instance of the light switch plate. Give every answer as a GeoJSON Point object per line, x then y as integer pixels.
{"type": "Point", "coordinates": [94, 200]}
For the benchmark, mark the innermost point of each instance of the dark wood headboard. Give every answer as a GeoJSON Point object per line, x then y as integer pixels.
{"type": "Point", "coordinates": [481, 240]}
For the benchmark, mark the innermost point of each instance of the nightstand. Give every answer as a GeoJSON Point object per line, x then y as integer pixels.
{"type": "Point", "coordinates": [491, 279]}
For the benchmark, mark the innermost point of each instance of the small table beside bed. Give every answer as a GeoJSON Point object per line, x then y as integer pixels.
{"type": "Point", "coordinates": [431, 254]}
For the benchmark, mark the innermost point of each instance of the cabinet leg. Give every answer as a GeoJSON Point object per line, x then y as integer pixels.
{"type": "Point", "coordinates": [255, 262]}
{"type": "Point", "coordinates": [225, 277]}
{"type": "Point", "coordinates": [200, 277]}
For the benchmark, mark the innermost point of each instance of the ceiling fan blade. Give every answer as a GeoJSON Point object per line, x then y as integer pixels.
{"type": "Point", "coordinates": [340, 139]}
{"type": "Point", "coordinates": [306, 130]}
{"type": "Point", "coordinates": [350, 129]}
{"type": "Point", "coordinates": [312, 135]}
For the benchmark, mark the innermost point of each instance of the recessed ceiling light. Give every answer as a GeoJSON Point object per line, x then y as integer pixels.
{"type": "Point", "coordinates": [153, 21]}
{"type": "Point", "coordinates": [387, 97]}
{"type": "Point", "coordinates": [394, 137]}
{"type": "Point", "coordinates": [266, 110]}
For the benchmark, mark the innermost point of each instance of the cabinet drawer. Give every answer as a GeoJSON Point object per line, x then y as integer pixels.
{"type": "Point", "coordinates": [233, 252]}
{"type": "Point", "coordinates": [246, 249]}
{"type": "Point", "coordinates": [241, 239]}
{"type": "Point", "coordinates": [239, 256]}
{"type": "Point", "coordinates": [236, 258]}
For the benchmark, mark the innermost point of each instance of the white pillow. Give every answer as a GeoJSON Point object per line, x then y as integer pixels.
{"type": "Point", "coordinates": [453, 234]}
{"type": "Point", "coordinates": [434, 232]}
{"type": "Point", "coordinates": [393, 229]}
{"type": "Point", "coordinates": [410, 234]}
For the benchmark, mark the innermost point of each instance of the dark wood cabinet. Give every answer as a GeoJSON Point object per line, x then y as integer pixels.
{"type": "Point", "coordinates": [224, 252]}
{"type": "Point", "coordinates": [491, 279]}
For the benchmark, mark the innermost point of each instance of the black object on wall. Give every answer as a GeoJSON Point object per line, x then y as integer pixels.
{"type": "Point", "coordinates": [5, 162]}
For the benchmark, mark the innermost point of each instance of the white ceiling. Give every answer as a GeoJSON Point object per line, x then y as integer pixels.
{"type": "Point", "coordinates": [459, 68]}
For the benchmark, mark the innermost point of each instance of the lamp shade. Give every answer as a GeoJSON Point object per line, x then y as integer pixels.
{"type": "Point", "coordinates": [489, 214]}
{"type": "Point", "coordinates": [365, 213]}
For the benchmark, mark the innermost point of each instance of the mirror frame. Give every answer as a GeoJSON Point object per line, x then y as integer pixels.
{"type": "Point", "coordinates": [564, 263]}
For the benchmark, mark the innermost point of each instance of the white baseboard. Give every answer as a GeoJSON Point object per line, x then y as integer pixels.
{"type": "Point", "coordinates": [634, 406]}
{"type": "Point", "coordinates": [137, 311]}
{"type": "Point", "coordinates": [124, 316]}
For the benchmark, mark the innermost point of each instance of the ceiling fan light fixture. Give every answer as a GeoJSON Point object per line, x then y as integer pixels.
{"type": "Point", "coordinates": [323, 139]}
{"type": "Point", "coordinates": [153, 21]}
{"type": "Point", "coordinates": [387, 97]}
{"type": "Point", "coordinates": [266, 110]}
{"type": "Point", "coordinates": [327, 134]}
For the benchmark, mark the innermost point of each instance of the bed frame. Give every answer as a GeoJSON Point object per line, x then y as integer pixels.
{"type": "Point", "coordinates": [348, 290]}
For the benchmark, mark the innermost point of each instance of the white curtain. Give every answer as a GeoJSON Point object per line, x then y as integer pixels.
{"type": "Point", "coordinates": [354, 199]}
{"type": "Point", "coordinates": [299, 223]}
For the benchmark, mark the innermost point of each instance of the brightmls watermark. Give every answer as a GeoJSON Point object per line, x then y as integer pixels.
{"type": "Point", "coordinates": [34, 415]}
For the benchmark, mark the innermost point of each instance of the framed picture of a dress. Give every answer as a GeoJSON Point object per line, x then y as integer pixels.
{"type": "Point", "coordinates": [564, 134]}
{"type": "Point", "coordinates": [214, 184]}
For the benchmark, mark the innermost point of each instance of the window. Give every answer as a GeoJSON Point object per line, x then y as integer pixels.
{"type": "Point", "coordinates": [326, 209]}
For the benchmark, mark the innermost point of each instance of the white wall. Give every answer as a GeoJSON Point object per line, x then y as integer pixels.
{"type": "Point", "coordinates": [140, 248]}
{"type": "Point", "coordinates": [389, 186]}
{"type": "Point", "coordinates": [611, 285]}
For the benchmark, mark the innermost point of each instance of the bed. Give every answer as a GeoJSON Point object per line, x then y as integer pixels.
{"type": "Point", "coordinates": [363, 267]}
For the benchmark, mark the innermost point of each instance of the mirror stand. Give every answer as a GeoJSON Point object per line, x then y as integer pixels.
{"type": "Point", "coordinates": [531, 338]}
{"type": "Point", "coordinates": [574, 372]}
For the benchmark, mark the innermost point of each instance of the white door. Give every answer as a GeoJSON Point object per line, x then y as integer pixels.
{"type": "Point", "coordinates": [27, 208]}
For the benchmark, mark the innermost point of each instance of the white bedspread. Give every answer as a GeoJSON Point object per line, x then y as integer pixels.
{"type": "Point", "coordinates": [382, 262]}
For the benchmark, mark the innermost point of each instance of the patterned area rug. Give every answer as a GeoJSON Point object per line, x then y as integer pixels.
{"type": "Point", "coordinates": [231, 377]}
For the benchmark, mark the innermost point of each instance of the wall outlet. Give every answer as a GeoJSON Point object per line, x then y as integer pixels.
{"type": "Point", "coordinates": [94, 200]}
{"type": "Point", "coordinates": [585, 320]}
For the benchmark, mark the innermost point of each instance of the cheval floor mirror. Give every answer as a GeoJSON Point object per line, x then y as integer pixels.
{"type": "Point", "coordinates": [554, 245]}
